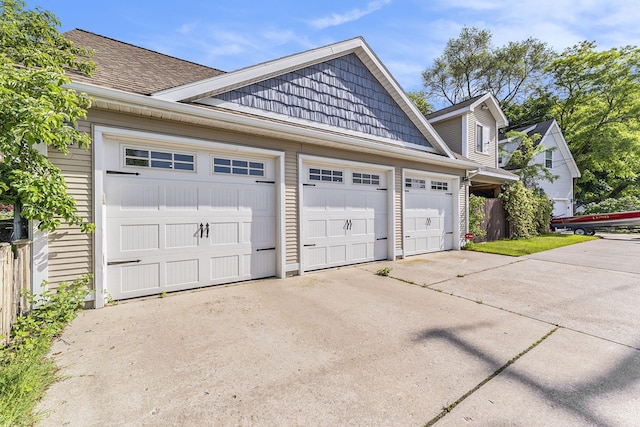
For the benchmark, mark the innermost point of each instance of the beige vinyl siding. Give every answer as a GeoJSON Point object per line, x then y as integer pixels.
{"type": "Point", "coordinates": [486, 119]}
{"type": "Point", "coordinates": [397, 205]}
{"type": "Point", "coordinates": [292, 150]}
{"type": "Point", "coordinates": [71, 250]}
{"type": "Point", "coordinates": [291, 206]}
{"type": "Point", "coordinates": [451, 132]}
{"type": "Point", "coordinates": [462, 198]}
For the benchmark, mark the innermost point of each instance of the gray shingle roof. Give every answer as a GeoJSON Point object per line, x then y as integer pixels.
{"type": "Point", "coordinates": [454, 107]}
{"type": "Point", "coordinates": [540, 128]}
{"type": "Point", "coordinates": [134, 69]}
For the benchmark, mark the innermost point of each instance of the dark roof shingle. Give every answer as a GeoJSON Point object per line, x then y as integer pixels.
{"type": "Point", "coordinates": [134, 69]}
{"type": "Point", "coordinates": [454, 107]}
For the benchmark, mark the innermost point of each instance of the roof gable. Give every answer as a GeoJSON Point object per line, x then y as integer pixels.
{"type": "Point", "coordinates": [546, 129]}
{"type": "Point", "coordinates": [469, 106]}
{"type": "Point", "coordinates": [134, 69]}
{"type": "Point", "coordinates": [326, 86]}
{"type": "Point", "coordinates": [340, 92]}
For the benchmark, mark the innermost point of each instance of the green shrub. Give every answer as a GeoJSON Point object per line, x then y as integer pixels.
{"type": "Point", "coordinates": [25, 372]}
{"type": "Point", "coordinates": [476, 215]}
{"type": "Point", "coordinates": [528, 212]}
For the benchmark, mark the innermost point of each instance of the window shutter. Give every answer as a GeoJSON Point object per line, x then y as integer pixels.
{"type": "Point", "coordinates": [485, 139]}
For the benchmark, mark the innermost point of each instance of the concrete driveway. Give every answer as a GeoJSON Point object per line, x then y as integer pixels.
{"type": "Point", "coordinates": [454, 338]}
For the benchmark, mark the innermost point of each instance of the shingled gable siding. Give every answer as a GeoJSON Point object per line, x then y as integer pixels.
{"type": "Point", "coordinates": [341, 92]}
{"type": "Point", "coordinates": [71, 250]}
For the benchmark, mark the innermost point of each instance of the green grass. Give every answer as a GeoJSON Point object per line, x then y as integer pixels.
{"type": "Point", "coordinates": [520, 247]}
{"type": "Point", "coordinates": [25, 370]}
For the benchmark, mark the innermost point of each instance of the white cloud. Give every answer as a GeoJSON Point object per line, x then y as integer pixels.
{"type": "Point", "coordinates": [352, 15]}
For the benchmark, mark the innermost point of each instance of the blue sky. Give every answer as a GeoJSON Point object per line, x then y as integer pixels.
{"type": "Point", "coordinates": [405, 34]}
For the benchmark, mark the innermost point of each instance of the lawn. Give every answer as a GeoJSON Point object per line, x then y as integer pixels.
{"type": "Point", "coordinates": [520, 247]}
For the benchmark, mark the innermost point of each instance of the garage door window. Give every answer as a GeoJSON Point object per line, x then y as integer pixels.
{"type": "Point", "coordinates": [365, 178]}
{"type": "Point", "coordinates": [237, 167]}
{"type": "Point", "coordinates": [326, 175]}
{"type": "Point", "coordinates": [159, 159]}
{"type": "Point", "coordinates": [415, 183]}
{"type": "Point", "coordinates": [440, 185]}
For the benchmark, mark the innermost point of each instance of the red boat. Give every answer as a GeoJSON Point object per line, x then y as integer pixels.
{"type": "Point", "coordinates": [587, 224]}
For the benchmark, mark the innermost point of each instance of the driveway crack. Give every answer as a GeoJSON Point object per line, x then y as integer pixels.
{"type": "Point", "coordinates": [449, 408]}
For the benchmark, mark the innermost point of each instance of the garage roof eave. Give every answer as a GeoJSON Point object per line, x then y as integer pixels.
{"type": "Point", "coordinates": [131, 103]}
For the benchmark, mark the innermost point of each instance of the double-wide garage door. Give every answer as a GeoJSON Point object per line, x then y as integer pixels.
{"type": "Point", "coordinates": [428, 213]}
{"type": "Point", "coordinates": [181, 218]}
{"type": "Point", "coordinates": [344, 215]}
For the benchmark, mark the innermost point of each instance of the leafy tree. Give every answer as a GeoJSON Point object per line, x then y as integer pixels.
{"type": "Point", "coordinates": [599, 114]}
{"type": "Point", "coordinates": [419, 99]}
{"type": "Point", "coordinates": [536, 108]}
{"type": "Point", "coordinates": [621, 204]}
{"type": "Point", "coordinates": [522, 159]}
{"type": "Point", "coordinates": [470, 65]}
{"type": "Point", "coordinates": [36, 108]}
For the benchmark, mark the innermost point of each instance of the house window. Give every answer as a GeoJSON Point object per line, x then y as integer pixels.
{"type": "Point", "coordinates": [548, 159]}
{"type": "Point", "coordinates": [325, 175]}
{"type": "Point", "coordinates": [482, 139]}
{"type": "Point", "coordinates": [365, 178]}
{"type": "Point", "coordinates": [440, 185]}
{"type": "Point", "coordinates": [415, 183]}
{"type": "Point", "coordinates": [159, 159]}
{"type": "Point", "coordinates": [237, 167]}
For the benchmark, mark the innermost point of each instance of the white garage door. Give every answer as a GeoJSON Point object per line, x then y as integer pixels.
{"type": "Point", "coordinates": [428, 214]}
{"type": "Point", "coordinates": [180, 219]}
{"type": "Point", "coordinates": [344, 216]}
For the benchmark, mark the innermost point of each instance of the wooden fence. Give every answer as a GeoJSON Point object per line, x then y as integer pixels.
{"type": "Point", "coordinates": [495, 221]}
{"type": "Point", "coordinates": [15, 277]}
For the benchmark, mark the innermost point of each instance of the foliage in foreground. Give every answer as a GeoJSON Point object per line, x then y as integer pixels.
{"type": "Point", "coordinates": [520, 247]}
{"type": "Point", "coordinates": [25, 372]}
{"type": "Point", "coordinates": [35, 109]}
{"type": "Point", "coordinates": [622, 204]}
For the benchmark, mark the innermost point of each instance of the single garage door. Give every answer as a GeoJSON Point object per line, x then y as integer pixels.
{"type": "Point", "coordinates": [180, 219]}
{"type": "Point", "coordinates": [428, 214]}
{"type": "Point", "coordinates": [344, 218]}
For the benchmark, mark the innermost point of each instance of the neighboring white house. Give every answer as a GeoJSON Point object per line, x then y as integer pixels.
{"type": "Point", "coordinates": [557, 158]}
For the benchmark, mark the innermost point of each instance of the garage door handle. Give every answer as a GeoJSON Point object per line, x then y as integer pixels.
{"type": "Point", "coordinates": [265, 249]}
{"type": "Point", "coordinates": [207, 229]}
{"type": "Point", "coordinates": [265, 182]}
{"type": "Point", "coordinates": [381, 238]}
{"type": "Point", "coordinates": [309, 245]}
{"type": "Point", "coordinates": [381, 189]}
{"type": "Point", "coordinates": [309, 185]}
{"type": "Point", "coordinates": [133, 261]}
{"type": "Point", "coordinates": [201, 230]}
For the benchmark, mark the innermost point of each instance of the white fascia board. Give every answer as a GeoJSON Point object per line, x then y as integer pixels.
{"type": "Point", "coordinates": [259, 72]}
{"type": "Point", "coordinates": [494, 107]}
{"type": "Point", "coordinates": [482, 173]}
{"type": "Point", "coordinates": [301, 122]}
{"type": "Point", "coordinates": [233, 121]}
{"type": "Point", "coordinates": [451, 114]}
